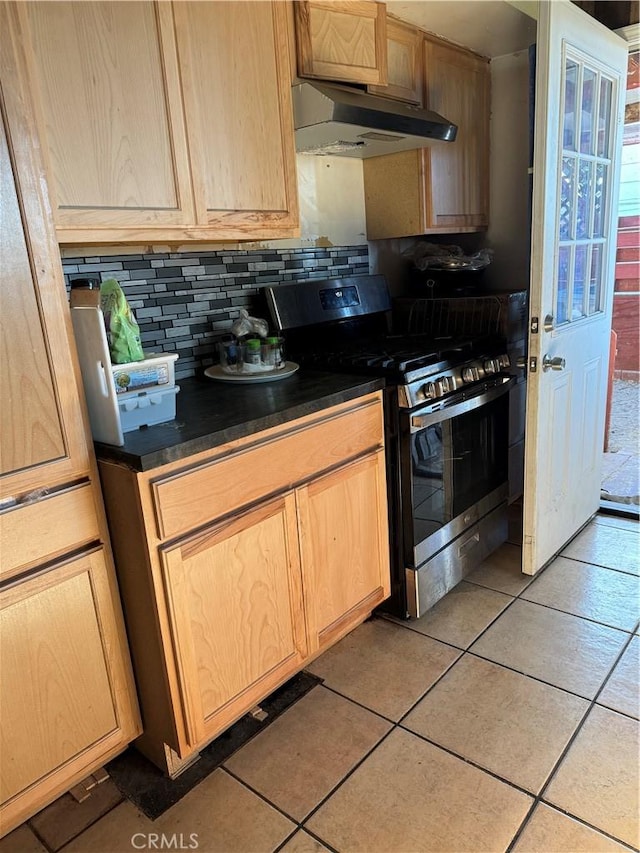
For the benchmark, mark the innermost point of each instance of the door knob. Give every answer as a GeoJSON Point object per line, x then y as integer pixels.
{"type": "Point", "coordinates": [556, 363]}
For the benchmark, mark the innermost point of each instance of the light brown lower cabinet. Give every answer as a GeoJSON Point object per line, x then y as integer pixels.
{"type": "Point", "coordinates": [222, 615]}
{"type": "Point", "coordinates": [234, 600]}
{"type": "Point", "coordinates": [67, 702]}
{"type": "Point", "coordinates": [343, 531]}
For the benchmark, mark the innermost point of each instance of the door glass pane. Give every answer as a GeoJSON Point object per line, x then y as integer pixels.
{"type": "Point", "coordinates": [595, 278]}
{"type": "Point", "coordinates": [587, 111]}
{"type": "Point", "coordinates": [583, 191]}
{"type": "Point", "coordinates": [562, 300]}
{"type": "Point", "coordinates": [585, 201]}
{"type": "Point", "coordinates": [599, 199]}
{"type": "Point", "coordinates": [566, 197]}
{"type": "Point", "coordinates": [604, 117]}
{"type": "Point", "coordinates": [579, 275]}
{"type": "Point", "coordinates": [570, 122]}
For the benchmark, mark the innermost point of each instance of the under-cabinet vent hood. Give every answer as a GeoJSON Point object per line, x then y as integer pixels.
{"type": "Point", "coordinates": [339, 120]}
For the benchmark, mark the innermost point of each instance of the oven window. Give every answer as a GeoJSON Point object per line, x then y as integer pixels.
{"type": "Point", "coordinates": [456, 463]}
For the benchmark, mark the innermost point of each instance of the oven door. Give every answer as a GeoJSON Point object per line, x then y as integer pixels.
{"type": "Point", "coordinates": [455, 467]}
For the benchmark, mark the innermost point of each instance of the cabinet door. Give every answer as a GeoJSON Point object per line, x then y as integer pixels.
{"type": "Point", "coordinates": [405, 74]}
{"type": "Point", "coordinates": [236, 81]}
{"type": "Point", "coordinates": [457, 86]}
{"type": "Point", "coordinates": [343, 41]}
{"type": "Point", "coordinates": [66, 696]}
{"type": "Point", "coordinates": [42, 441]}
{"type": "Point", "coordinates": [234, 602]}
{"type": "Point", "coordinates": [110, 114]}
{"type": "Point", "coordinates": [345, 548]}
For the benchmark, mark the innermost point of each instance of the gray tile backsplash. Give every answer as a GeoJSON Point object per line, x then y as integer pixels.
{"type": "Point", "coordinates": [185, 302]}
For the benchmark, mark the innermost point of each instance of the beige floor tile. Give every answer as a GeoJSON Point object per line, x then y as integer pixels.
{"type": "Point", "coordinates": [599, 778]}
{"type": "Point", "coordinates": [501, 571]}
{"type": "Point", "coordinates": [114, 832]}
{"type": "Point", "coordinates": [65, 818]}
{"type": "Point", "coordinates": [462, 614]}
{"type": "Point", "coordinates": [622, 691]}
{"type": "Point", "coordinates": [561, 649]}
{"type": "Point", "coordinates": [226, 818]}
{"type": "Point", "coordinates": [411, 796]}
{"type": "Point", "coordinates": [612, 598]}
{"type": "Point", "coordinates": [607, 546]}
{"type": "Point", "coordinates": [550, 830]}
{"type": "Point", "coordinates": [303, 754]}
{"type": "Point", "coordinates": [615, 521]}
{"type": "Point", "coordinates": [508, 723]}
{"type": "Point", "coordinates": [302, 842]}
{"type": "Point", "coordinates": [21, 840]}
{"type": "Point", "coordinates": [384, 666]}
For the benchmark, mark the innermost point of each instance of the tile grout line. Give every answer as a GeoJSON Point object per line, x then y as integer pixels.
{"type": "Point", "coordinates": [540, 796]}
{"type": "Point", "coordinates": [597, 565]}
{"type": "Point", "coordinates": [549, 684]}
{"type": "Point", "coordinates": [51, 849]}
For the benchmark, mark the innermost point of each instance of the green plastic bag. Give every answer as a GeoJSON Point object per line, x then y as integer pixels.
{"type": "Point", "coordinates": [123, 332]}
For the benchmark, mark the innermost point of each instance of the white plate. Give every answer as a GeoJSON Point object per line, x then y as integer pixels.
{"type": "Point", "coordinates": [216, 372]}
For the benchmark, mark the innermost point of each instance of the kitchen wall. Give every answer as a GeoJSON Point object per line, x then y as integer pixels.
{"type": "Point", "coordinates": [185, 301]}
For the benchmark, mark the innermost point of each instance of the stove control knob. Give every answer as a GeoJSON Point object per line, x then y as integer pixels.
{"type": "Point", "coordinates": [504, 361]}
{"type": "Point", "coordinates": [442, 385]}
{"type": "Point", "coordinates": [469, 374]}
{"type": "Point", "coordinates": [429, 391]}
{"type": "Point", "coordinates": [491, 366]}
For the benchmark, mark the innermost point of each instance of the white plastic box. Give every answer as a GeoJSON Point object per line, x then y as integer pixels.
{"type": "Point", "coordinates": [120, 397]}
{"type": "Point", "coordinates": [147, 408]}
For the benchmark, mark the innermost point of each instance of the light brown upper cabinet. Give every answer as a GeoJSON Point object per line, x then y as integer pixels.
{"type": "Point", "coordinates": [442, 189]}
{"type": "Point", "coordinates": [164, 121]}
{"type": "Point", "coordinates": [111, 114]}
{"type": "Point", "coordinates": [405, 73]}
{"type": "Point", "coordinates": [234, 63]}
{"type": "Point", "coordinates": [342, 40]}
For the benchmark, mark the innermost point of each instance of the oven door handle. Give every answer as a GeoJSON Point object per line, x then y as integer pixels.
{"type": "Point", "coordinates": [427, 417]}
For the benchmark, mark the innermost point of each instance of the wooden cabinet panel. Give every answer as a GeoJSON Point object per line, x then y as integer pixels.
{"type": "Point", "coordinates": [188, 499]}
{"type": "Point", "coordinates": [236, 84]}
{"type": "Point", "coordinates": [111, 116]}
{"type": "Point", "coordinates": [42, 436]}
{"type": "Point", "coordinates": [457, 86]}
{"type": "Point", "coordinates": [66, 699]}
{"type": "Point", "coordinates": [31, 424]}
{"type": "Point", "coordinates": [405, 73]}
{"type": "Point", "coordinates": [344, 41]}
{"type": "Point", "coordinates": [442, 189]}
{"type": "Point", "coordinates": [345, 550]}
{"type": "Point", "coordinates": [42, 531]}
{"type": "Point", "coordinates": [235, 606]}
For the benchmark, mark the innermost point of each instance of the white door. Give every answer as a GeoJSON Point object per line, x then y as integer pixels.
{"type": "Point", "coordinates": [580, 81]}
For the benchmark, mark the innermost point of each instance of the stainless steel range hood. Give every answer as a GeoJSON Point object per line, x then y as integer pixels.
{"type": "Point", "coordinates": [338, 120]}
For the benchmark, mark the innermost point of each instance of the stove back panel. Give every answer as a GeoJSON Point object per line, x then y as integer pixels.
{"type": "Point", "coordinates": [309, 303]}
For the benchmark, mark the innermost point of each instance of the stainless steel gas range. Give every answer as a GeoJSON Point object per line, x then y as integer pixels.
{"type": "Point", "coordinates": [446, 435]}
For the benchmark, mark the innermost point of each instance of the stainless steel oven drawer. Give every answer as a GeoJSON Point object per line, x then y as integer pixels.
{"type": "Point", "coordinates": [433, 579]}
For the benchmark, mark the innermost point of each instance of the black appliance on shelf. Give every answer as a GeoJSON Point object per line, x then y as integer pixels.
{"type": "Point", "coordinates": [446, 426]}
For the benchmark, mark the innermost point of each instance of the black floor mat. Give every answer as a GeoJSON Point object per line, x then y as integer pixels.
{"type": "Point", "coordinates": [153, 792]}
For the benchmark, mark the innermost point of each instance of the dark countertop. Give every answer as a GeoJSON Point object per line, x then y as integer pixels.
{"type": "Point", "coordinates": [211, 413]}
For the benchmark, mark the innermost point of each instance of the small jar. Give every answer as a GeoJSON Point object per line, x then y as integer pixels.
{"type": "Point", "coordinates": [252, 351]}
{"type": "Point", "coordinates": [272, 352]}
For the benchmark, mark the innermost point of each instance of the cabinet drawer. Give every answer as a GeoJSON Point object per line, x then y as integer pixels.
{"type": "Point", "coordinates": [47, 528]}
{"type": "Point", "coordinates": [189, 499]}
